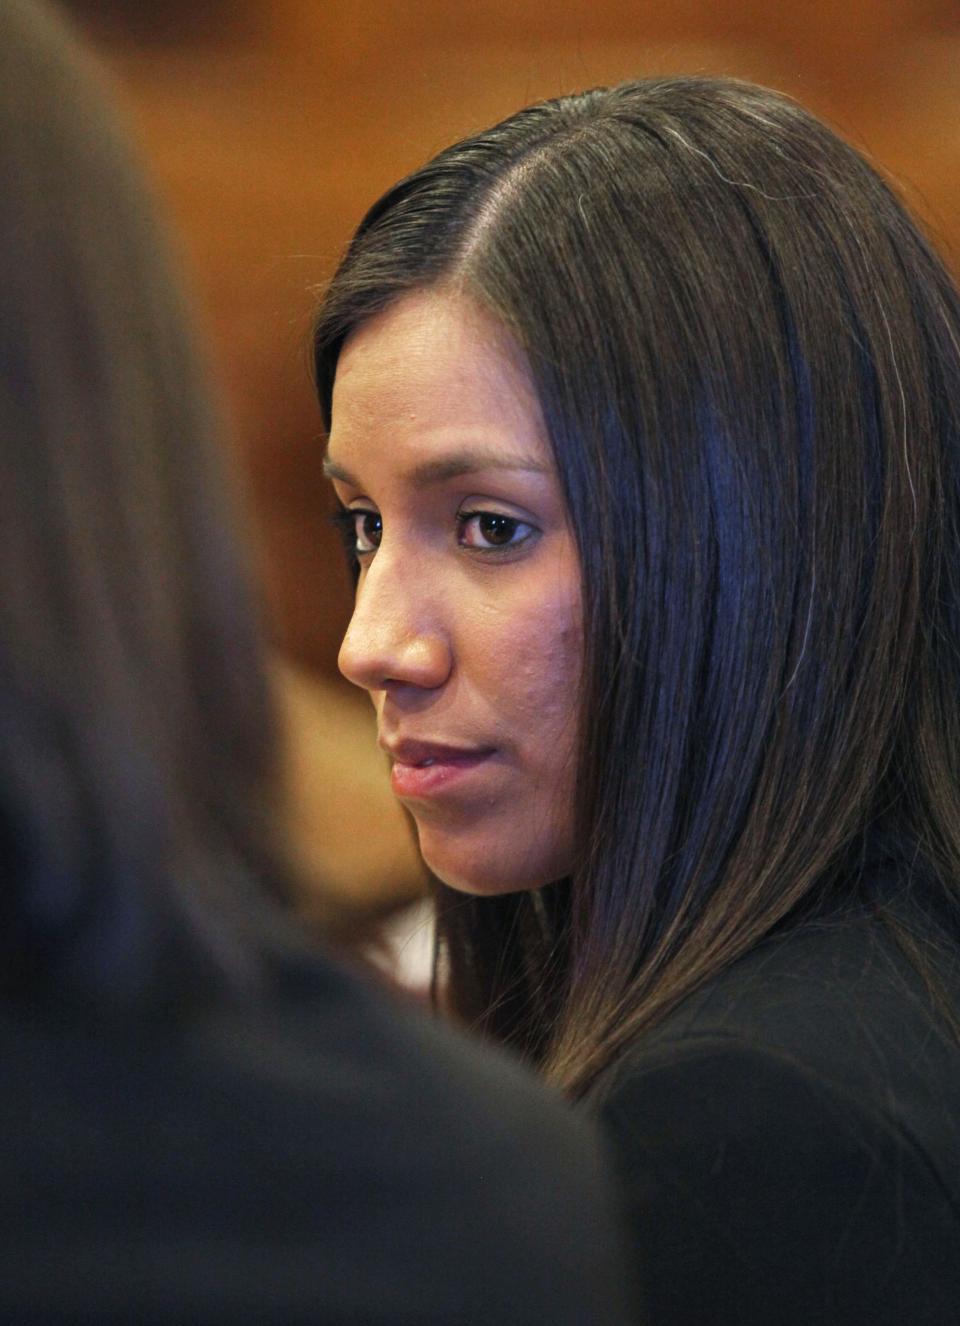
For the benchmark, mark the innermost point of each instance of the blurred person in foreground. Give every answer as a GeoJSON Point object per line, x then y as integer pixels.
{"type": "Point", "coordinates": [203, 1120]}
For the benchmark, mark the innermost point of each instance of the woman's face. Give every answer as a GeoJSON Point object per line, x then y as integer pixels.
{"type": "Point", "coordinates": [467, 625]}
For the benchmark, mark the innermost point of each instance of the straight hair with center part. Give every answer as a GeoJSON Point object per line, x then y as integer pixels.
{"type": "Point", "coordinates": [747, 360]}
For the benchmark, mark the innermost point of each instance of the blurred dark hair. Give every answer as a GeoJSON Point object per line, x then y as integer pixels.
{"type": "Point", "coordinates": [748, 359]}
{"type": "Point", "coordinates": [136, 737]}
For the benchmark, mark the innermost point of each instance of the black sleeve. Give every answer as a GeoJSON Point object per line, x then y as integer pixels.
{"type": "Point", "coordinates": [759, 1193]}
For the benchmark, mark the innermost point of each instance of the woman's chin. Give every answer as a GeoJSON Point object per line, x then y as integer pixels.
{"type": "Point", "coordinates": [493, 872]}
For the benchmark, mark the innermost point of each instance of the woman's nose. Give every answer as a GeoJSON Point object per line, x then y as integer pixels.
{"type": "Point", "coordinates": [393, 639]}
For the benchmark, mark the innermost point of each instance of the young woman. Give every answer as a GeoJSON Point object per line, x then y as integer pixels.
{"type": "Point", "coordinates": [202, 1119]}
{"type": "Point", "coordinates": [644, 414]}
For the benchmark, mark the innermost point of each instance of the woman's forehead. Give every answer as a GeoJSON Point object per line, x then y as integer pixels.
{"type": "Point", "coordinates": [428, 334]}
{"type": "Point", "coordinates": [441, 378]}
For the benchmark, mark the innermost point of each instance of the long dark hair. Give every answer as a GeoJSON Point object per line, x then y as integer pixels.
{"type": "Point", "coordinates": [748, 359]}
{"type": "Point", "coordinates": [136, 735]}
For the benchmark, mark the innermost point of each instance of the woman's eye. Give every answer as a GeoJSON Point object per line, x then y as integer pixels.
{"type": "Point", "coordinates": [367, 530]}
{"type": "Point", "coordinates": [486, 529]}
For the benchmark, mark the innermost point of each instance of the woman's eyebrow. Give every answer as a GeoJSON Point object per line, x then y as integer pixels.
{"type": "Point", "coordinates": [451, 466]}
{"type": "Point", "coordinates": [334, 471]}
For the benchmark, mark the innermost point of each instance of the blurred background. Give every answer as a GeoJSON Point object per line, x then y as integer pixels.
{"type": "Point", "coordinates": [270, 125]}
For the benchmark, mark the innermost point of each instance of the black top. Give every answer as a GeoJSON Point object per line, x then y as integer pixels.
{"type": "Point", "coordinates": [790, 1137]}
{"type": "Point", "coordinates": [326, 1159]}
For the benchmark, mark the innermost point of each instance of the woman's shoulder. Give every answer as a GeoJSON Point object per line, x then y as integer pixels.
{"type": "Point", "coordinates": [841, 999]}
{"type": "Point", "coordinates": [791, 1136]}
{"type": "Point", "coordinates": [758, 1190]}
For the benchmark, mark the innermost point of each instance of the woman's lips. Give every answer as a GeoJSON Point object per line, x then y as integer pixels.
{"type": "Point", "coordinates": [420, 770]}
